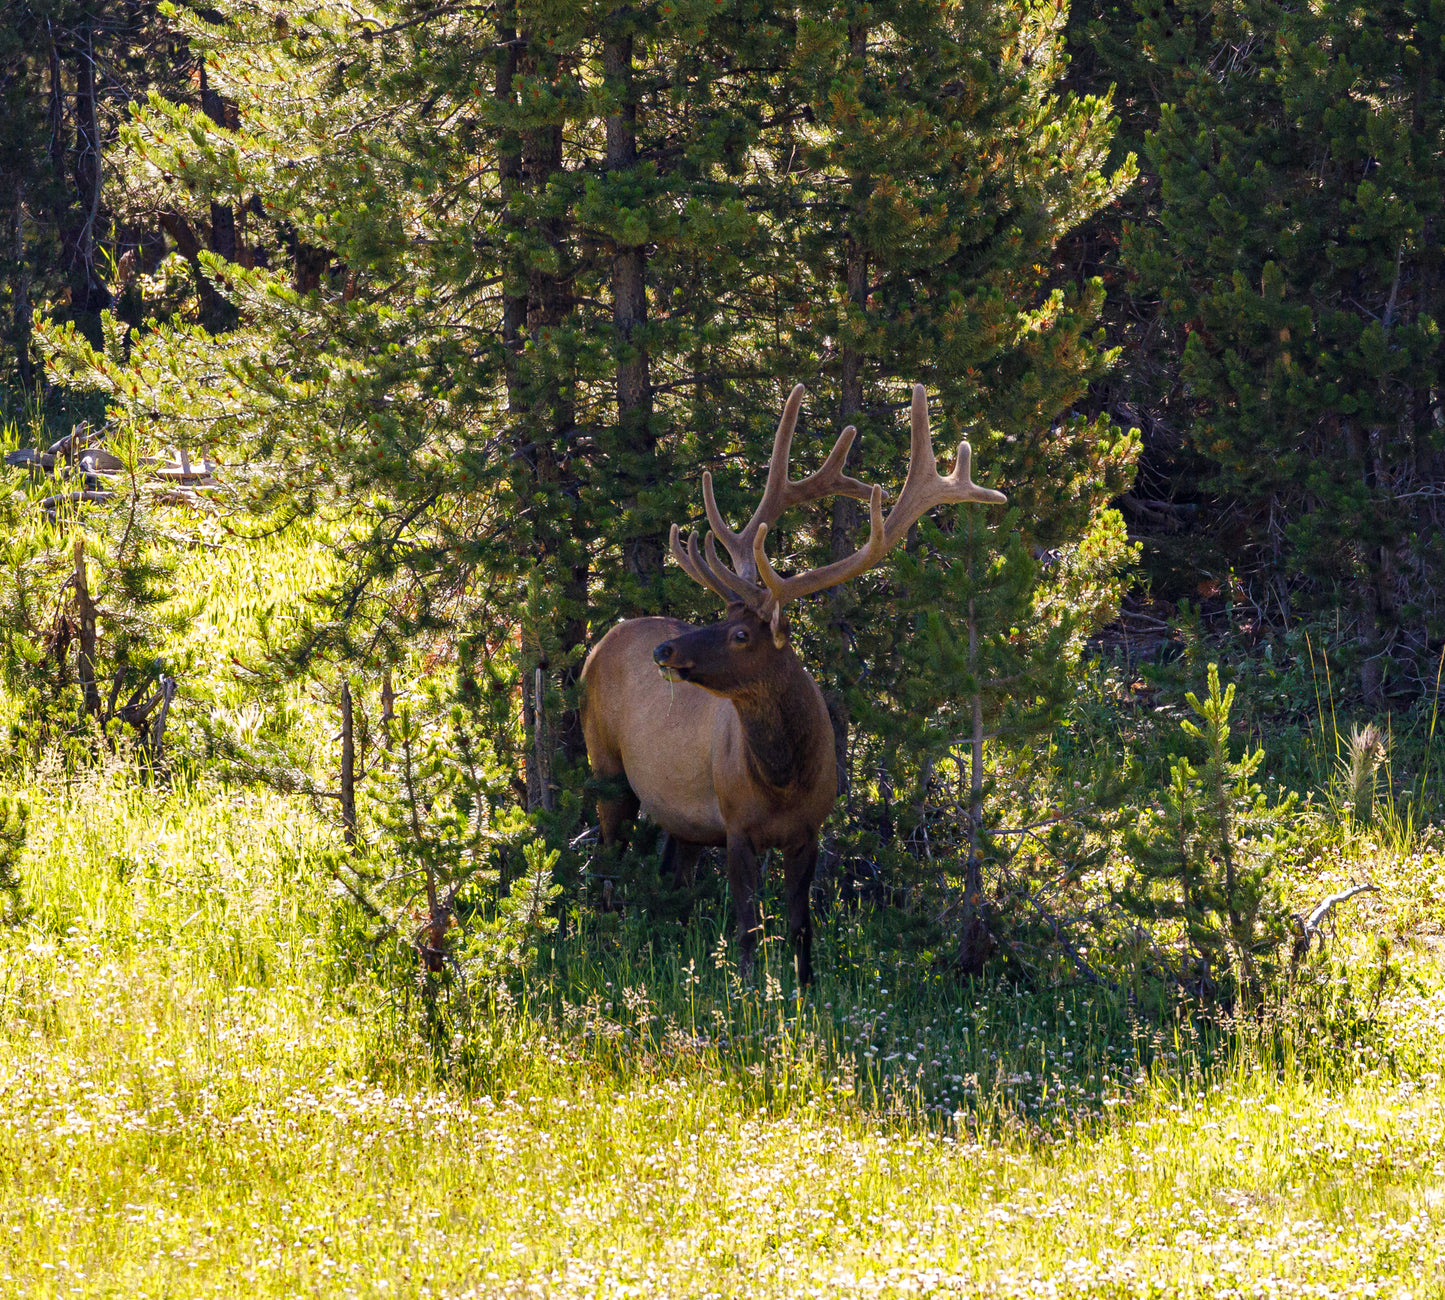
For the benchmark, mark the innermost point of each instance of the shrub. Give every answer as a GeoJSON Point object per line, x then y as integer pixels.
{"type": "Point", "coordinates": [1203, 891]}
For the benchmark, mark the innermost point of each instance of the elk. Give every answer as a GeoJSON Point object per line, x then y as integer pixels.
{"type": "Point", "coordinates": [718, 733]}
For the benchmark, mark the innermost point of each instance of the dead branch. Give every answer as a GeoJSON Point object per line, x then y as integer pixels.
{"type": "Point", "coordinates": [1308, 928]}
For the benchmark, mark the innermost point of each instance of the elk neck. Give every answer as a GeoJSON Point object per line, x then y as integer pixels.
{"type": "Point", "coordinates": [780, 724]}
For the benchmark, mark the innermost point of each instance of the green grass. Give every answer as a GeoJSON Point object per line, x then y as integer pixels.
{"type": "Point", "coordinates": [210, 1085]}
{"type": "Point", "coordinates": [199, 1095]}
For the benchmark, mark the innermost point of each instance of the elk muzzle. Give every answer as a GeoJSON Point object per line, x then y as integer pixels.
{"type": "Point", "coordinates": [675, 666]}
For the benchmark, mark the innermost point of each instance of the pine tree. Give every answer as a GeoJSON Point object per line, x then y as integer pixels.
{"type": "Point", "coordinates": [449, 344]}
{"type": "Point", "coordinates": [1204, 860]}
{"type": "Point", "coordinates": [444, 343]}
{"type": "Point", "coordinates": [14, 825]}
{"type": "Point", "coordinates": [947, 171]}
{"type": "Point", "coordinates": [70, 245]}
{"type": "Point", "coordinates": [1298, 260]}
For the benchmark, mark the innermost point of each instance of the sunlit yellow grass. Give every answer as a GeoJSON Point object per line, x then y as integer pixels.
{"type": "Point", "coordinates": [192, 1103]}
{"type": "Point", "coordinates": [202, 1092]}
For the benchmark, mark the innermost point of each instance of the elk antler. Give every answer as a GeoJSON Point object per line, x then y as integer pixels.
{"type": "Point", "coordinates": [780, 494]}
{"type": "Point", "coordinates": [752, 579]}
{"type": "Point", "coordinates": [923, 489]}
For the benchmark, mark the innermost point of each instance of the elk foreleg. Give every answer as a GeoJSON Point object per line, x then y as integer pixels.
{"type": "Point", "coordinates": [798, 885]}
{"type": "Point", "coordinates": [743, 884]}
{"type": "Point", "coordinates": [616, 806]}
{"type": "Point", "coordinates": [679, 857]}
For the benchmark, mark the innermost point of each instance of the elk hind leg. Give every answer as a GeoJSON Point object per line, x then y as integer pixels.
{"type": "Point", "coordinates": [798, 885]}
{"type": "Point", "coordinates": [679, 857]}
{"type": "Point", "coordinates": [743, 885]}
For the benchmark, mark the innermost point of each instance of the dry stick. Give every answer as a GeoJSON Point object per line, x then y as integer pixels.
{"type": "Point", "coordinates": [114, 694]}
{"type": "Point", "coordinates": [544, 775]}
{"type": "Point", "coordinates": [348, 767]}
{"type": "Point", "coordinates": [388, 711]}
{"type": "Point", "coordinates": [85, 613]}
{"type": "Point", "coordinates": [435, 930]}
{"type": "Point", "coordinates": [1310, 925]}
{"type": "Point", "coordinates": [168, 691]}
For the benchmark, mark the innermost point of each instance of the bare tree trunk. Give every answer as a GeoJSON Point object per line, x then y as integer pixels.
{"type": "Point", "coordinates": [642, 555]}
{"type": "Point", "coordinates": [348, 767]}
{"type": "Point", "coordinates": [85, 618]}
{"type": "Point", "coordinates": [88, 291]}
{"type": "Point", "coordinates": [543, 756]}
{"type": "Point", "coordinates": [509, 177]}
{"type": "Point", "coordinates": [974, 941]}
{"type": "Point", "coordinates": [562, 543]}
{"type": "Point", "coordinates": [58, 142]}
{"type": "Point", "coordinates": [845, 512]}
{"type": "Point", "coordinates": [21, 315]}
{"type": "Point", "coordinates": [158, 733]}
{"type": "Point", "coordinates": [388, 700]}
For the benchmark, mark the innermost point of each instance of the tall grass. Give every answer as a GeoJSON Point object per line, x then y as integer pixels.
{"type": "Point", "coordinates": [212, 1082]}
{"type": "Point", "coordinates": [205, 1093]}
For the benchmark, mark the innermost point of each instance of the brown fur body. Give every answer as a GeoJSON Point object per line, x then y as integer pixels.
{"type": "Point", "coordinates": [730, 743]}
{"type": "Point", "coordinates": [732, 747]}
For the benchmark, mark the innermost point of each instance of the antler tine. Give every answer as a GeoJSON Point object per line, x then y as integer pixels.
{"type": "Point", "coordinates": [779, 494]}
{"type": "Point", "coordinates": [828, 479]}
{"type": "Point", "coordinates": [773, 503]}
{"type": "Point", "coordinates": [748, 592]}
{"type": "Point", "coordinates": [924, 487]}
{"type": "Point", "coordinates": [829, 575]}
{"type": "Point", "coordinates": [697, 572]}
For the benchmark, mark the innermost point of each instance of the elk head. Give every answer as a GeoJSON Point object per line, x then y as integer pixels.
{"type": "Point", "coordinates": [742, 651]}
{"type": "Point", "coordinates": [730, 653]}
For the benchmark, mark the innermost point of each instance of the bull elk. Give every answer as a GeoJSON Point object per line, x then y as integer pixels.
{"type": "Point", "coordinates": [730, 742]}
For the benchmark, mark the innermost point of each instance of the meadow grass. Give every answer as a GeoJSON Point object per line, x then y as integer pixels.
{"type": "Point", "coordinates": [202, 1093]}
{"type": "Point", "coordinates": [212, 1084]}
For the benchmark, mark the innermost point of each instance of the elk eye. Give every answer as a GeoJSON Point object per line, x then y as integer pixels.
{"type": "Point", "coordinates": [741, 636]}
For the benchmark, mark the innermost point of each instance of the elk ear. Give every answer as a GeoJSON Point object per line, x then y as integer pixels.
{"type": "Point", "coordinates": [779, 625]}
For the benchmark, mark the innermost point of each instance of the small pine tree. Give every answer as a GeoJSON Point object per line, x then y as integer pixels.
{"type": "Point", "coordinates": [1204, 860]}
{"type": "Point", "coordinates": [509, 938]}
{"type": "Point", "coordinates": [438, 807]}
{"type": "Point", "coordinates": [14, 822]}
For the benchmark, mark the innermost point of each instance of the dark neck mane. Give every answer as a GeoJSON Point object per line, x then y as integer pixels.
{"type": "Point", "coordinates": [780, 724]}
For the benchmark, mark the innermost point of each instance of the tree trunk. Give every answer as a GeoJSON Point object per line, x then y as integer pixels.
{"type": "Point", "coordinates": [223, 216]}
{"type": "Point", "coordinates": [21, 313]}
{"type": "Point", "coordinates": [975, 942]}
{"type": "Point", "coordinates": [509, 177]}
{"type": "Point", "coordinates": [562, 540]}
{"type": "Point", "coordinates": [845, 511]}
{"type": "Point", "coordinates": [56, 111]}
{"type": "Point", "coordinates": [88, 292]}
{"type": "Point", "coordinates": [642, 555]}
{"type": "Point", "coordinates": [348, 767]}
